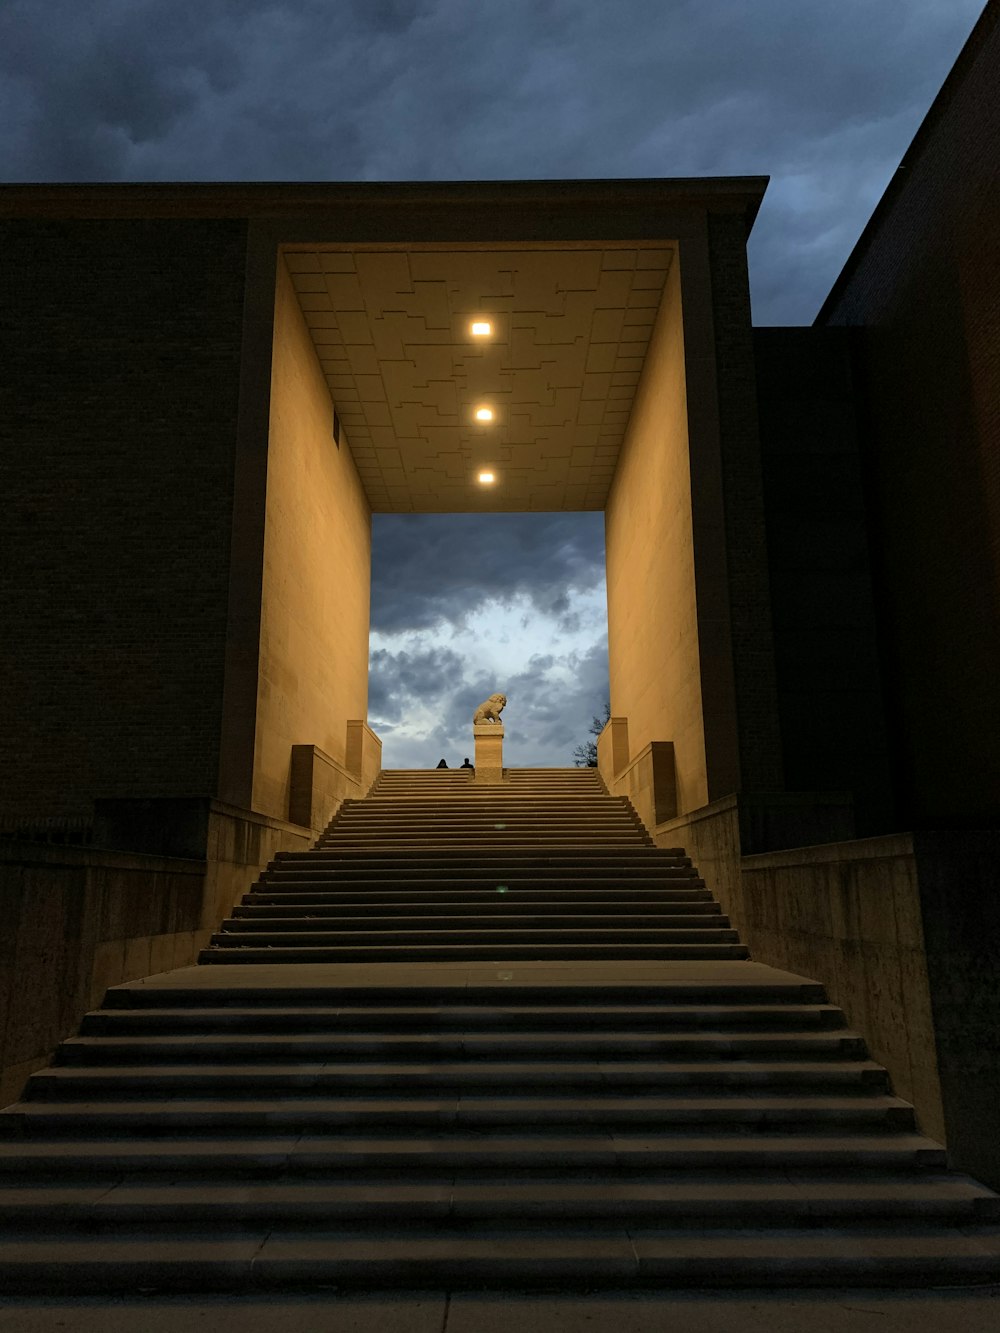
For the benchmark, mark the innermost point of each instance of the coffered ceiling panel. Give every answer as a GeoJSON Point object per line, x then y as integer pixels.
{"type": "Point", "coordinates": [392, 330]}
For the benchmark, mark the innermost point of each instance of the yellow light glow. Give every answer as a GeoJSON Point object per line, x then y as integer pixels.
{"type": "Point", "coordinates": [481, 328]}
{"type": "Point", "coordinates": [484, 413]}
{"type": "Point", "coordinates": [487, 478]}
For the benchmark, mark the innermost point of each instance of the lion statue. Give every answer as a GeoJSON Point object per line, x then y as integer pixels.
{"type": "Point", "coordinates": [490, 710]}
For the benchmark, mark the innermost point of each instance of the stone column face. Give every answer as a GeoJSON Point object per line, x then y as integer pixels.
{"type": "Point", "coordinates": [488, 737]}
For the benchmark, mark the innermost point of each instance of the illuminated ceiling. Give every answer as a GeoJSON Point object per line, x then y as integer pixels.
{"type": "Point", "coordinates": [392, 330]}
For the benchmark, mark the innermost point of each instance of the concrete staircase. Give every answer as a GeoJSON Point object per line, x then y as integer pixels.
{"type": "Point", "coordinates": [432, 868]}
{"type": "Point", "coordinates": [477, 1038]}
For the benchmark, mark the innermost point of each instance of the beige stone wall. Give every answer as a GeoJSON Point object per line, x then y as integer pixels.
{"type": "Point", "coordinates": [849, 914]}
{"type": "Point", "coordinates": [317, 561]}
{"type": "Point", "coordinates": [78, 920]}
{"type": "Point", "coordinates": [652, 611]}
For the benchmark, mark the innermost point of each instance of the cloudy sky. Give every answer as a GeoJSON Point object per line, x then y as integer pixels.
{"type": "Point", "coordinates": [822, 97]}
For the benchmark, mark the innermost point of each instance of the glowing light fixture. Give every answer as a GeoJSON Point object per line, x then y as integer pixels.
{"type": "Point", "coordinates": [481, 328]}
{"type": "Point", "coordinates": [487, 478]}
{"type": "Point", "coordinates": [484, 413]}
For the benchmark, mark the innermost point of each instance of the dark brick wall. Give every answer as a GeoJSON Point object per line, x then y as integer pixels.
{"type": "Point", "coordinates": [923, 288]}
{"type": "Point", "coordinates": [746, 548]}
{"type": "Point", "coordinates": [826, 657]}
{"type": "Point", "coordinates": [120, 349]}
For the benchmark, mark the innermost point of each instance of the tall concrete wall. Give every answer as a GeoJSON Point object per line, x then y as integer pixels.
{"type": "Point", "coordinates": [80, 919]}
{"type": "Point", "coordinates": [120, 346]}
{"type": "Point", "coordinates": [653, 648]}
{"type": "Point", "coordinates": [922, 292]}
{"type": "Point", "coordinates": [826, 653]}
{"type": "Point", "coordinates": [313, 663]}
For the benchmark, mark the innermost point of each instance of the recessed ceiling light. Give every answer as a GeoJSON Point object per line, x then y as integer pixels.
{"type": "Point", "coordinates": [487, 478]}
{"type": "Point", "coordinates": [484, 413]}
{"type": "Point", "coordinates": [481, 328]}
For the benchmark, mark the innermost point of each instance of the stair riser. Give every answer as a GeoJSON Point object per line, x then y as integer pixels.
{"type": "Point", "coordinates": [483, 929]}
{"type": "Point", "coordinates": [314, 1163]}
{"type": "Point", "coordinates": [117, 1022]}
{"type": "Point", "coordinates": [477, 998]}
{"type": "Point", "coordinates": [239, 934]}
{"type": "Point", "coordinates": [510, 873]}
{"type": "Point", "coordinates": [616, 1273]}
{"type": "Point", "coordinates": [499, 953]}
{"type": "Point", "coordinates": [167, 1082]}
{"type": "Point", "coordinates": [777, 1214]}
{"type": "Point", "coordinates": [185, 1123]}
{"type": "Point", "coordinates": [386, 1051]}
{"type": "Point", "coordinates": [470, 1046]}
{"type": "Point", "coordinates": [515, 913]}
{"type": "Point", "coordinates": [566, 855]}
{"type": "Point", "coordinates": [363, 898]}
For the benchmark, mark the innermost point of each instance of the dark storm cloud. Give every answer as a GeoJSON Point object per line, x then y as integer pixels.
{"type": "Point", "coordinates": [397, 679]}
{"type": "Point", "coordinates": [822, 97]}
{"type": "Point", "coordinates": [550, 704]}
{"type": "Point", "coordinates": [429, 570]}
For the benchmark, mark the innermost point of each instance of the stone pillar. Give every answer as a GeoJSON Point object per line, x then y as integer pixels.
{"type": "Point", "coordinates": [489, 751]}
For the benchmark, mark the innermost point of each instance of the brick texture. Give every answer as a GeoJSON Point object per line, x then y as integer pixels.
{"type": "Point", "coordinates": [746, 551]}
{"type": "Point", "coordinates": [826, 658]}
{"type": "Point", "coordinates": [120, 345]}
{"type": "Point", "coordinates": [923, 290]}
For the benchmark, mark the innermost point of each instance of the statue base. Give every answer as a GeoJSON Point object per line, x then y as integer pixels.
{"type": "Point", "coordinates": [488, 737]}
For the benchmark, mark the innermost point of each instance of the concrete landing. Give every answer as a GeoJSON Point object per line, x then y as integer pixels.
{"type": "Point", "coordinates": [849, 1310]}
{"type": "Point", "coordinates": [739, 973]}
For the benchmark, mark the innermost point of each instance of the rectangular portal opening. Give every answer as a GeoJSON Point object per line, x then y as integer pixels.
{"type": "Point", "coordinates": [468, 605]}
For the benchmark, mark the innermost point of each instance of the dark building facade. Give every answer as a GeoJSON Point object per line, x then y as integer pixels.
{"type": "Point", "coordinates": [803, 532]}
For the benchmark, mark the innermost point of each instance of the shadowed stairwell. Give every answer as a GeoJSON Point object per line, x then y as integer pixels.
{"type": "Point", "coordinates": [478, 1036]}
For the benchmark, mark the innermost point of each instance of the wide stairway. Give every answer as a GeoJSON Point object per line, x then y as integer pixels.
{"type": "Point", "coordinates": [477, 1037]}
{"type": "Point", "coordinates": [432, 868]}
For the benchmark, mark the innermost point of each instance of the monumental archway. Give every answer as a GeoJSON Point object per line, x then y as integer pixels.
{"type": "Point", "coordinates": [584, 348]}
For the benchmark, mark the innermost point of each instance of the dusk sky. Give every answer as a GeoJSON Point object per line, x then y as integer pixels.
{"type": "Point", "coordinates": [823, 98]}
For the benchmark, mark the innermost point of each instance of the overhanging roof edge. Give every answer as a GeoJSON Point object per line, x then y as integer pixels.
{"type": "Point", "coordinates": [275, 199]}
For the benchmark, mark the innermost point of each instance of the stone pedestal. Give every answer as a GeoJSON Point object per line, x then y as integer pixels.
{"type": "Point", "coordinates": [489, 751]}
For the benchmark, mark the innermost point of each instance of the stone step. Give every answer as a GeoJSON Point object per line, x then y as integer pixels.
{"type": "Point", "coordinates": [444, 1257]}
{"type": "Point", "coordinates": [529, 814]}
{"type": "Point", "coordinates": [564, 851]}
{"type": "Point", "coordinates": [59, 1082]}
{"type": "Point", "coordinates": [270, 919]}
{"type": "Point", "coordinates": [496, 831]}
{"type": "Point", "coordinates": [570, 808]}
{"type": "Point", "coordinates": [572, 779]}
{"type": "Point", "coordinates": [539, 1156]}
{"type": "Point", "coordinates": [692, 987]}
{"type": "Point", "coordinates": [607, 1045]}
{"type": "Point", "coordinates": [320, 903]}
{"type": "Point", "coordinates": [245, 934]}
{"type": "Point", "coordinates": [778, 989]}
{"type": "Point", "coordinates": [402, 902]}
{"type": "Point", "coordinates": [412, 1116]}
{"type": "Point", "coordinates": [467, 792]}
{"type": "Point", "coordinates": [496, 842]}
{"type": "Point", "coordinates": [484, 829]}
{"type": "Point", "coordinates": [485, 879]}
{"type": "Point", "coordinates": [573, 809]}
{"type": "Point", "coordinates": [234, 951]}
{"type": "Point", "coordinates": [394, 872]}
{"type": "Point", "coordinates": [706, 1199]}
{"type": "Point", "coordinates": [483, 821]}
{"type": "Point", "coordinates": [569, 854]}
{"type": "Point", "coordinates": [500, 1018]}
